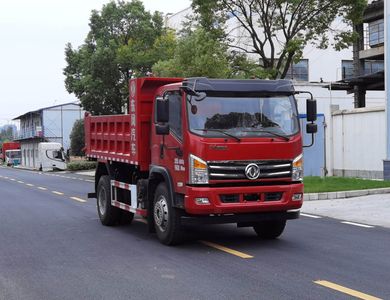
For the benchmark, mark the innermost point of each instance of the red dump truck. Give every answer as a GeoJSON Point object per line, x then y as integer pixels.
{"type": "Point", "coordinates": [201, 151]}
{"type": "Point", "coordinates": [10, 153]}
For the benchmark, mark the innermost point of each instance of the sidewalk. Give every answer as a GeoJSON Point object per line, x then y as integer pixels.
{"type": "Point", "coordinates": [86, 173]}
{"type": "Point", "coordinates": [344, 194]}
{"type": "Point", "coordinates": [370, 209]}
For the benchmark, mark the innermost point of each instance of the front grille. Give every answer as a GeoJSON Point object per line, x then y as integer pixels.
{"type": "Point", "coordinates": [232, 170]}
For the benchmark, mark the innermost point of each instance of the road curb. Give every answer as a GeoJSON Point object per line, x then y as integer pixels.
{"type": "Point", "coordinates": [344, 194]}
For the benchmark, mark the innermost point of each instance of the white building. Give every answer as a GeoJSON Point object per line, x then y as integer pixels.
{"type": "Point", "coordinates": [49, 124]}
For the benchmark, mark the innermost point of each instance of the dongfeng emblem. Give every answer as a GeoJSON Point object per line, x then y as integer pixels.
{"type": "Point", "coordinates": [252, 171]}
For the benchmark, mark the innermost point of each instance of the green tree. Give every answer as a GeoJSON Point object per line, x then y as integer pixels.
{"type": "Point", "coordinates": [197, 53]}
{"type": "Point", "coordinates": [6, 134]}
{"type": "Point", "coordinates": [120, 44]}
{"type": "Point", "coordinates": [278, 30]}
{"type": "Point", "coordinates": [77, 142]}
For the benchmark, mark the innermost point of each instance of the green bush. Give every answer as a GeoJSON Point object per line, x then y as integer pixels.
{"type": "Point", "coordinates": [81, 165]}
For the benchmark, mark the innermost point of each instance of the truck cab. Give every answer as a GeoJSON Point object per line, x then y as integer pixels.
{"type": "Point", "coordinates": [51, 156]}
{"type": "Point", "coordinates": [13, 157]}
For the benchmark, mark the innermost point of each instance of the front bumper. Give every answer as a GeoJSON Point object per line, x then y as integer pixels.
{"type": "Point", "coordinates": [217, 206]}
{"type": "Point", "coordinates": [243, 220]}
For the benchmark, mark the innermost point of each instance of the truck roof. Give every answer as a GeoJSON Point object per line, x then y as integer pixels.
{"type": "Point", "coordinates": [203, 84]}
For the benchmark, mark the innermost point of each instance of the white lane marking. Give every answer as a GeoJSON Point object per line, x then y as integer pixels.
{"type": "Point", "coordinates": [78, 199]}
{"type": "Point", "coordinates": [141, 221]}
{"type": "Point", "coordinates": [311, 216]}
{"type": "Point", "coordinates": [19, 181]}
{"type": "Point", "coordinates": [57, 193]}
{"type": "Point", "coordinates": [12, 179]}
{"type": "Point", "coordinates": [42, 188]}
{"type": "Point", "coordinates": [87, 180]}
{"type": "Point", "coordinates": [29, 184]}
{"type": "Point", "coordinates": [358, 224]}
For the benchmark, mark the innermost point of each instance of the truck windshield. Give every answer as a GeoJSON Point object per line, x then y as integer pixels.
{"type": "Point", "coordinates": [244, 116]}
{"type": "Point", "coordinates": [13, 154]}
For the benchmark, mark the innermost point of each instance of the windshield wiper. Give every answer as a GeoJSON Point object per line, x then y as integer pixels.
{"type": "Point", "coordinates": [270, 132]}
{"type": "Point", "coordinates": [221, 131]}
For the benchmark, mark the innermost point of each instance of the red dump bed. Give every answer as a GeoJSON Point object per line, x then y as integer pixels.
{"type": "Point", "coordinates": [126, 138]}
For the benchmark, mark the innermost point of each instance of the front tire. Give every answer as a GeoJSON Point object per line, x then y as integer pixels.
{"type": "Point", "coordinates": [166, 218]}
{"type": "Point", "coordinates": [108, 214]}
{"type": "Point", "coordinates": [270, 230]}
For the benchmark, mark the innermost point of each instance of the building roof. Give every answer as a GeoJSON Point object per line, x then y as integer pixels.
{"type": "Point", "coordinates": [371, 82]}
{"type": "Point", "coordinates": [38, 111]}
{"type": "Point", "coordinates": [374, 11]}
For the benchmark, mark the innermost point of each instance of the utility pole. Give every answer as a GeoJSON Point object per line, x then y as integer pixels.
{"type": "Point", "coordinates": [386, 162]}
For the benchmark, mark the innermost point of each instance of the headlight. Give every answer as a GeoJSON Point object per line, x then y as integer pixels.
{"type": "Point", "coordinates": [297, 169]}
{"type": "Point", "coordinates": [198, 171]}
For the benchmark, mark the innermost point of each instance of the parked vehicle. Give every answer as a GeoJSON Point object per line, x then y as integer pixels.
{"type": "Point", "coordinates": [51, 156]}
{"type": "Point", "coordinates": [201, 151]}
{"type": "Point", "coordinates": [13, 157]}
{"type": "Point", "coordinates": [8, 146]}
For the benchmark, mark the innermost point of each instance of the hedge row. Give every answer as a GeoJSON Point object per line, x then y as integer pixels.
{"type": "Point", "coordinates": [81, 165]}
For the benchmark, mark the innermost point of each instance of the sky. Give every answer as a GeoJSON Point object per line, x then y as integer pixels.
{"type": "Point", "coordinates": [33, 35]}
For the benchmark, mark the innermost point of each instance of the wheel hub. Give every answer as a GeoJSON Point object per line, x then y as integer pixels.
{"type": "Point", "coordinates": [161, 213]}
{"type": "Point", "coordinates": [102, 201]}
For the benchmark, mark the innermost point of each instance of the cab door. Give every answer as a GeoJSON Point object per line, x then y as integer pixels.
{"type": "Point", "coordinates": [171, 156]}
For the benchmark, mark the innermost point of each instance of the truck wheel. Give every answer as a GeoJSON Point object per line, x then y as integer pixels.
{"type": "Point", "coordinates": [166, 218]}
{"type": "Point", "coordinates": [108, 214]}
{"type": "Point", "coordinates": [270, 229]}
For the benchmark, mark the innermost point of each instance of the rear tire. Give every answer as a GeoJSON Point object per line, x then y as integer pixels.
{"type": "Point", "coordinates": [109, 215]}
{"type": "Point", "coordinates": [270, 230]}
{"type": "Point", "coordinates": [166, 218]}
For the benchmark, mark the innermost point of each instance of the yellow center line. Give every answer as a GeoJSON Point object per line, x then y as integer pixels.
{"type": "Point", "coordinates": [227, 250]}
{"type": "Point", "coordinates": [78, 199]}
{"type": "Point", "coordinates": [42, 188]}
{"type": "Point", "coordinates": [29, 184]}
{"type": "Point", "coordinates": [57, 193]}
{"type": "Point", "coordinates": [345, 290]}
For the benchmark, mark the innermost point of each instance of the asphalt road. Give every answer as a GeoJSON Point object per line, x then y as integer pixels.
{"type": "Point", "coordinates": [52, 246]}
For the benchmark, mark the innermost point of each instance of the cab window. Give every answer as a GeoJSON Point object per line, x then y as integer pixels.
{"type": "Point", "coordinates": [175, 107]}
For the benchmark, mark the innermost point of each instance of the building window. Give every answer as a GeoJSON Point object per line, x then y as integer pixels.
{"type": "Point", "coordinates": [299, 71]}
{"type": "Point", "coordinates": [373, 66]}
{"type": "Point", "coordinates": [376, 32]}
{"type": "Point", "coordinates": [346, 69]}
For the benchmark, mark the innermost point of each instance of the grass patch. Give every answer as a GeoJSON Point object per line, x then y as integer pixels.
{"type": "Point", "coordinates": [314, 184]}
{"type": "Point", "coordinates": [81, 165]}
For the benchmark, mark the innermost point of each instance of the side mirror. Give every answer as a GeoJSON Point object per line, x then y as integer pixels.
{"type": "Point", "coordinates": [311, 110]}
{"type": "Point", "coordinates": [162, 110]}
{"type": "Point", "coordinates": [311, 128]}
{"type": "Point", "coordinates": [162, 129]}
